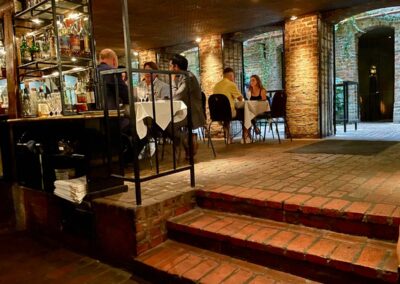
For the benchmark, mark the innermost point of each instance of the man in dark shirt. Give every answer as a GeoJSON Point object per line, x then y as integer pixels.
{"type": "Point", "coordinates": [108, 60]}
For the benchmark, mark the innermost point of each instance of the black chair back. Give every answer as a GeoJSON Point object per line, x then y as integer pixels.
{"type": "Point", "coordinates": [220, 108]}
{"type": "Point", "coordinates": [203, 103]}
{"type": "Point", "coordinates": [278, 105]}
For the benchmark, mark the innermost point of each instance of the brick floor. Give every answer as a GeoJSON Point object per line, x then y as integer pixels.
{"type": "Point", "coordinates": [270, 167]}
{"type": "Point", "coordinates": [27, 260]}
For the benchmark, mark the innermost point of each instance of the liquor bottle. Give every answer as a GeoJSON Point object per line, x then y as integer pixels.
{"type": "Point", "coordinates": [74, 40]}
{"type": "Point", "coordinates": [35, 50]}
{"type": "Point", "coordinates": [85, 39]}
{"type": "Point", "coordinates": [24, 49]}
{"type": "Point", "coordinates": [90, 94]}
{"type": "Point", "coordinates": [65, 44]}
{"type": "Point", "coordinates": [52, 44]}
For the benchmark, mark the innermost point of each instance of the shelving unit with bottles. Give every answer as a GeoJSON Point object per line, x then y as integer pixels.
{"type": "Point", "coordinates": [56, 57]}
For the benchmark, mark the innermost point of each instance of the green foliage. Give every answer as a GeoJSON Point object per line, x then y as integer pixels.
{"type": "Point", "coordinates": [268, 50]}
{"type": "Point", "coordinates": [339, 103]}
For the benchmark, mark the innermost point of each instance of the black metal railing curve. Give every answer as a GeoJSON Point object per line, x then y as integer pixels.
{"type": "Point", "coordinates": [111, 92]}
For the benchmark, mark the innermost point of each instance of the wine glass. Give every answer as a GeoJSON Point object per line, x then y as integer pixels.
{"type": "Point", "coordinates": [141, 93]}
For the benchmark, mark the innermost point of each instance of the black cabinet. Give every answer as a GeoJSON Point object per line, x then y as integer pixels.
{"type": "Point", "coordinates": [73, 146]}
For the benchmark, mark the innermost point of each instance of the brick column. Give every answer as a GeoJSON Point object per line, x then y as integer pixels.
{"type": "Point", "coordinates": [210, 52]}
{"type": "Point", "coordinates": [302, 69]}
{"type": "Point", "coordinates": [396, 106]}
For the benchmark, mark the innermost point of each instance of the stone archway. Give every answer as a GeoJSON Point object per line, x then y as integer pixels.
{"type": "Point", "coordinates": [376, 74]}
{"type": "Point", "coordinates": [347, 41]}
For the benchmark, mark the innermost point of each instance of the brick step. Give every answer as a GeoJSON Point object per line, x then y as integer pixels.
{"type": "Point", "coordinates": [174, 262]}
{"type": "Point", "coordinates": [313, 253]}
{"type": "Point", "coordinates": [380, 221]}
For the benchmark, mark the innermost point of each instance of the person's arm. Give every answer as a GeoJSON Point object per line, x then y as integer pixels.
{"type": "Point", "coordinates": [179, 92]}
{"type": "Point", "coordinates": [123, 91]}
{"type": "Point", "coordinates": [264, 94]}
{"type": "Point", "coordinates": [236, 93]}
{"type": "Point", "coordinates": [164, 92]}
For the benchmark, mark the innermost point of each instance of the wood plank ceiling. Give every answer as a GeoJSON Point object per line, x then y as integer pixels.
{"type": "Point", "coordinates": [159, 23]}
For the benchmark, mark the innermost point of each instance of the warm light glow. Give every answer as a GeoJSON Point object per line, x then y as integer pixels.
{"type": "Point", "coordinates": [198, 39]}
{"type": "Point", "coordinates": [37, 21]}
{"type": "Point", "coordinates": [183, 54]}
{"type": "Point", "coordinates": [292, 18]}
{"type": "Point", "coordinates": [73, 59]}
{"type": "Point", "coordinates": [74, 16]}
{"type": "Point", "coordinates": [55, 73]}
{"type": "Point", "coordinates": [382, 107]}
{"type": "Point", "coordinates": [135, 53]}
{"type": "Point", "coordinates": [77, 69]}
{"type": "Point", "coordinates": [30, 34]}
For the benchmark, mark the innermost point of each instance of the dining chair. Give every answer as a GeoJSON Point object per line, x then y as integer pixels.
{"type": "Point", "coordinates": [220, 111]}
{"type": "Point", "coordinates": [278, 113]}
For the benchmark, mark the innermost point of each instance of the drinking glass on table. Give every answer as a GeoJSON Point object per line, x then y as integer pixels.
{"type": "Point", "coordinates": [141, 93]}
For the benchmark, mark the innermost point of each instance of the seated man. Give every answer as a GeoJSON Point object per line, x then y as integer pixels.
{"type": "Point", "coordinates": [161, 89]}
{"type": "Point", "coordinates": [108, 60]}
{"type": "Point", "coordinates": [228, 88]}
{"type": "Point", "coordinates": [180, 87]}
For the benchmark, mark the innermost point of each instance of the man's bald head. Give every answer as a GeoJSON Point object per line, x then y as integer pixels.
{"type": "Point", "coordinates": [109, 57]}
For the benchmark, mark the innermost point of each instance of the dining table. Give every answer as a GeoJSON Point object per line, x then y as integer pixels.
{"type": "Point", "coordinates": [252, 109]}
{"type": "Point", "coordinates": [162, 115]}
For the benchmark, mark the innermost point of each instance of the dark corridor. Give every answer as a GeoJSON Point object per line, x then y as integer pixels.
{"type": "Point", "coordinates": [376, 74]}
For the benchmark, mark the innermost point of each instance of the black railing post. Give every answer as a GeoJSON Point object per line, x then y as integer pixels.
{"type": "Point", "coordinates": [128, 54]}
{"type": "Point", "coordinates": [190, 126]}
{"type": "Point", "coordinates": [153, 104]}
{"type": "Point", "coordinates": [171, 99]}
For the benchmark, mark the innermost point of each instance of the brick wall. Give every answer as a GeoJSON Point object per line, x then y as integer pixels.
{"type": "Point", "coordinates": [262, 57]}
{"type": "Point", "coordinates": [326, 77]}
{"type": "Point", "coordinates": [147, 55]}
{"type": "Point", "coordinates": [302, 65]}
{"type": "Point", "coordinates": [150, 221]}
{"type": "Point", "coordinates": [232, 56]}
{"type": "Point", "coordinates": [124, 232]}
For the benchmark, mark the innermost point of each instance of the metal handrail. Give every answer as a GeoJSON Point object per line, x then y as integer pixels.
{"type": "Point", "coordinates": [137, 179]}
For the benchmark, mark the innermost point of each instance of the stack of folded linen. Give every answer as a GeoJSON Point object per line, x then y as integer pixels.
{"type": "Point", "coordinates": [73, 190]}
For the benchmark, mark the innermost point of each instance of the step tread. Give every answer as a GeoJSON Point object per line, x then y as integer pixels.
{"type": "Point", "coordinates": [308, 204]}
{"type": "Point", "coordinates": [368, 257]}
{"type": "Point", "coordinates": [380, 221]}
{"type": "Point", "coordinates": [203, 266]}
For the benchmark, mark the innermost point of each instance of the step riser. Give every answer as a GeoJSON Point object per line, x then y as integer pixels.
{"type": "Point", "coordinates": [155, 275]}
{"type": "Point", "coordinates": [321, 221]}
{"type": "Point", "coordinates": [272, 257]}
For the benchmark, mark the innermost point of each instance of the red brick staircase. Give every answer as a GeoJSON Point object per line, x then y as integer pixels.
{"type": "Point", "coordinates": [277, 236]}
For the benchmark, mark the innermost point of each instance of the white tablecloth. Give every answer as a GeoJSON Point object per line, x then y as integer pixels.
{"type": "Point", "coordinates": [252, 109]}
{"type": "Point", "coordinates": [163, 114]}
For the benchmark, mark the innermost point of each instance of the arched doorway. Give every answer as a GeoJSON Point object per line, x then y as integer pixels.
{"type": "Point", "coordinates": [376, 74]}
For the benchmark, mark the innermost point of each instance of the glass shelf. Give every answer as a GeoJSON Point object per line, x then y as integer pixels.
{"type": "Point", "coordinates": [58, 34]}
{"type": "Point", "coordinates": [65, 60]}
{"type": "Point", "coordinates": [44, 11]}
